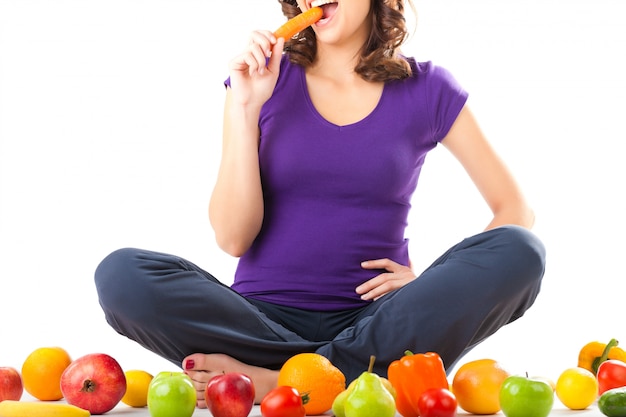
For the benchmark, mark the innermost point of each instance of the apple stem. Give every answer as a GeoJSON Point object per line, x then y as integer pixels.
{"type": "Point", "coordinates": [88, 386]}
{"type": "Point", "coordinates": [370, 368]}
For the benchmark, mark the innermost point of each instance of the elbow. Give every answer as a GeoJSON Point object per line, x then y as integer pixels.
{"type": "Point", "coordinates": [234, 243]}
{"type": "Point", "coordinates": [234, 237]}
{"type": "Point", "coordinates": [518, 214]}
{"type": "Point", "coordinates": [524, 217]}
{"type": "Point", "coordinates": [232, 247]}
{"type": "Point", "coordinates": [529, 218]}
{"type": "Point", "coordinates": [234, 251]}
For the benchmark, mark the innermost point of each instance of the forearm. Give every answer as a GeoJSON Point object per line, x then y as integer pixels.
{"type": "Point", "coordinates": [489, 173]}
{"type": "Point", "coordinates": [236, 206]}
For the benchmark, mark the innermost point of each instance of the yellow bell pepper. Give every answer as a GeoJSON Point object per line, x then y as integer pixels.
{"type": "Point", "coordinates": [594, 353]}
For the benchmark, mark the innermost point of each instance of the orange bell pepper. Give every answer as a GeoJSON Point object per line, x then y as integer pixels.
{"type": "Point", "coordinates": [411, 375]}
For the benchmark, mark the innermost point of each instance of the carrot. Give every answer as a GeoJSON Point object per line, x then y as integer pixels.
{"type": "Point", "coordinates": [298, 23]}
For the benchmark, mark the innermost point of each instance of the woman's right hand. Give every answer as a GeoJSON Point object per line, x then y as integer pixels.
{"type": "Point", "coordinates": [254, 73]}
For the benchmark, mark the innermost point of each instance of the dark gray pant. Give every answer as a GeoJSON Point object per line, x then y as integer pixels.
{"type": "Point", "coordinates": [173, 308]}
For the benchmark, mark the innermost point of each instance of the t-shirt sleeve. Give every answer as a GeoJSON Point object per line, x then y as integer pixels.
{"type": "Point", "coordinates": [445, 98]}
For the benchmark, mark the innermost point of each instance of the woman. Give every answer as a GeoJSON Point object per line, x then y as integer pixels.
{"type": "Point", "coordinates": [322, 149]}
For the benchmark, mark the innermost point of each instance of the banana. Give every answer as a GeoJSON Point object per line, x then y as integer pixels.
{"type": "Point", "coordinates": [10, 408]}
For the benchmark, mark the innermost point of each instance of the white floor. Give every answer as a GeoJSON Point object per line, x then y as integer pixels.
{"type": "Point", "coordinates": [122, 409]}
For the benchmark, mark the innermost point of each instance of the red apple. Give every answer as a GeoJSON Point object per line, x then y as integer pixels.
{"type": "Point", "coordinates": [94, 382]}
{"type": "Point", "coordinates": [11, 387]}
{"type": "Point", "coordinates": [229, 395]}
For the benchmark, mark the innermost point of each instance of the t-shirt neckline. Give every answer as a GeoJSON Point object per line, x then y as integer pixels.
{"type": "Point", "coordinates": [318, 115]}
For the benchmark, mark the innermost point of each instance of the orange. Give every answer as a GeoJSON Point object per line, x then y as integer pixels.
{"type": "Point", "coordinates": [476, 386]}
{"type": "Point", "coordinates": [314, 375]}
{"type": "Point", "coordinates": [137, 384]}
{"type": "Point", "coordinates": [41, 372]}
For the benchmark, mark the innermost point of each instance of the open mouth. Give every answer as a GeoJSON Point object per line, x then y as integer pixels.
{"type": "Point", "coordinates": [328, 6]}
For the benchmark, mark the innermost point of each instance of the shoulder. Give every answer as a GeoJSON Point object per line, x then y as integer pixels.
{"type": "Point", "coordinates": [438, 91]}
{"type": "Point", "coordinates": [428, 71]}
{"type": "Point", "coordinates": [433, 80]}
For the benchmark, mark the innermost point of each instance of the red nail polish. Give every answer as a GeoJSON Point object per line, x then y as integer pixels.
{"type": "Point", "coordinates": [189, 364]}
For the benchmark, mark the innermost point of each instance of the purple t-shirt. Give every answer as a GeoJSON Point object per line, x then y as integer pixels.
{"type": "Point", "coordinates": [338, 195]}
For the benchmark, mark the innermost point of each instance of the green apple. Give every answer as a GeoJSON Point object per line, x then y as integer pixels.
{"type": "Point", "coordinates": [523, 396]}
{"type": "Point", "coordinates": [171, 394]}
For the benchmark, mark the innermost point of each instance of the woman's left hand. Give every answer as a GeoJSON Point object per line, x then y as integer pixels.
{"type": "Point", "coordinates": [397, 276]}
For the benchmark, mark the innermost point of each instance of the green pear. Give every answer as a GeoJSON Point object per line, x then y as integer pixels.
{"type": "Point", "coordinates": [368, 397]}
{"type": "Point", "coordinates": [339, 403]}
{"type": "Point", "coordinates": [385, 382]}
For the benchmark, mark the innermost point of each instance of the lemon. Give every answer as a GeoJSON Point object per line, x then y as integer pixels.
{"type": "Point", "coordinates": [137, 383]}
{"type": "Point", "coordinates": [577, 388]}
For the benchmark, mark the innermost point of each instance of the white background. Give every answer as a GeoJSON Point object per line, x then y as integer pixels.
{"type": "Point", "coordinates": [110, 130]}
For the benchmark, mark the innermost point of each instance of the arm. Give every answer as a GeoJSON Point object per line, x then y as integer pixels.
{"type": "Point", "coordinates": [492, 178]}
{"type": "Point", "coordinates": [236, 205]}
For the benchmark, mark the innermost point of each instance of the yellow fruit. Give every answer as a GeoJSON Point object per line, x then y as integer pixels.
{"type": "Point", "coordinates": [10, 408]}
{"type": "Point", "coordinates": [315, 375]}
{"type": "Point", "coordinates": [476, 386]}
{"type": "Point", "coordinates": [137, 384]}
{"type": "Point", "coordinates": [41, 372]}
{"type": "Point", "coordinates": [577, 388]}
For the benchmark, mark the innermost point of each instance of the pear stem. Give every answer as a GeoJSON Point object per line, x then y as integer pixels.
{"type": "Point", "coordinates": [370, 368]}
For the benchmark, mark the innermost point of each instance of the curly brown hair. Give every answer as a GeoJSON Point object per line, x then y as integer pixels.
{"type": "Point", "coordinates": [380, 59]}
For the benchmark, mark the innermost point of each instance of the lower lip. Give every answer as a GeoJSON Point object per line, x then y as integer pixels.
{"type": "Point", "coordinates": [324, 21]}
{"type": "Point", "coordinates": [321, 22]}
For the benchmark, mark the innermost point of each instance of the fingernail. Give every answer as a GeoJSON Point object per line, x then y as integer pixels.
{"type": "Point", "coordinates": [189, 364]}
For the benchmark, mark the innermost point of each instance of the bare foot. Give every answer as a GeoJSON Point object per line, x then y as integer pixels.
{"type": "Point", "coordinates": [203, 367]}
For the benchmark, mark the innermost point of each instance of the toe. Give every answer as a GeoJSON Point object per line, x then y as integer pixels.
{"type": "Point", "coordinates": [194, 362]}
